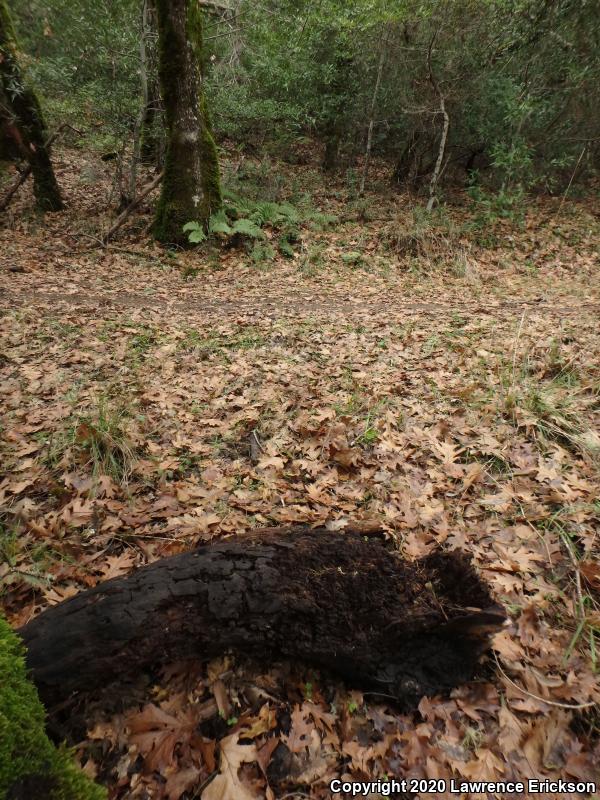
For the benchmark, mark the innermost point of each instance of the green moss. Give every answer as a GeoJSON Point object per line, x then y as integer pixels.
{"type": "Point", "coordinates": [211, 180]}
{"type": "Point", "coordinates": [191, 188]}
{"type": "Point", "coordinates": [209, 159]}
{"type": "Point", "coordinates": [30, 765]}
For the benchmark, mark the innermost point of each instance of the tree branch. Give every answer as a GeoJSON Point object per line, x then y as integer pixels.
{"type": "Point", "coordinates": [131, 207]}
{"type": "Point", "coordinates": [440, 158]}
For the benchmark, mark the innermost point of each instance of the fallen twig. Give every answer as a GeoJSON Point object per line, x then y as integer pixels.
{"type": "Point", "coordinates": [554, 703]}
{"type": "Point", "coordinates": [131, 207]}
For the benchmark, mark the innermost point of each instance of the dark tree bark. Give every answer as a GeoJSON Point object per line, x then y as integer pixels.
{"type": "Point", "coordinates": [405, 162]}
{"type": "Point", "coordinates": [151, 145]}
{"type": "Point", "coordinates": [339, 601]}
{"type": "Point", "coordinates": [334, 96]}
{"type": "Point", "coordinates": [22, 110]}
{"type": "Point", "coordinates": [24, 173]}
{"type": "Point", "coordinates": [191, 189]}
{"type": "Point", "coordinates": [332, 136]}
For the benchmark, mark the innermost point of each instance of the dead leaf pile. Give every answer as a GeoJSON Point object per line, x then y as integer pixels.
{"type": "Point", "coordinates": [143, 413]}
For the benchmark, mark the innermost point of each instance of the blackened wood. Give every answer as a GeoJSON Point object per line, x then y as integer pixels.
{"type": "Point", "coordinates": [339, 601]}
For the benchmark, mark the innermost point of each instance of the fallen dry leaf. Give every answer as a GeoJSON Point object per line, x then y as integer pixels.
{"type": "Point", "coordinates": [227, 785]}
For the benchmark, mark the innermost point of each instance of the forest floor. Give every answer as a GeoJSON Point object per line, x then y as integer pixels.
{"type": "Point", "coordinates": [439, 381]}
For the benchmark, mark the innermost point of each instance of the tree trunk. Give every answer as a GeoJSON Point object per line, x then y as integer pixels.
{"type": "Point", "coordinates": [331, 134]}
{"type": "Point", "coordinates": [373, 108]}
{"type": "Point", "coordinates": [191, 189]}
{"type": "Point", "coordinates": [442, 148]}
{"type": "Point", "coordinates": [24, 174]}
{"type": "Point", "coordinates": [151, 140]}
{"type": "Point", "coordinates": [339, 601]}
{"type": "Point", "coordinates": [24, 111]}
{"type": "Point", "coordinates": [405, 162]}
{"type": "Point", "coordinates": [152, 112]}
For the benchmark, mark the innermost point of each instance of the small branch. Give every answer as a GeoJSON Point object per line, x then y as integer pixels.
{"type": "Point", "coordinates": [131, 207]}
{"type": "Point", "coordinates": [226, 33]}
{"type": "Point", "coordinates": [5, 202]}
{"type": "Point", "coordinates": [440, 158]}
{"type": "Point", "coordinates": [256, 447]}
{"type": "Point", "coordinates": [564, 197]}
{"type": "Point", "coordinates": [372, 116]}
{"type": "Point", "coordinates": [554, 703]}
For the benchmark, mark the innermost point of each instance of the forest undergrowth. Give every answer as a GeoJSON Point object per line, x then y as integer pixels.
{"type": "Point", "coordinates": [437, 376]}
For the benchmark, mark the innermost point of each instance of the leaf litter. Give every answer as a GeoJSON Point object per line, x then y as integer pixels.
{"type": "Point", "coordinates": [144, 413]}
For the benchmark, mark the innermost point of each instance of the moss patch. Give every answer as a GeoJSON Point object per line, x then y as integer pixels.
{"type": "Point", "coordinates": [30, 765]}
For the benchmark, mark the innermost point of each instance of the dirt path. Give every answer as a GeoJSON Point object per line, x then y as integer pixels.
{"type": "Point", "coordinates": [298, 305]}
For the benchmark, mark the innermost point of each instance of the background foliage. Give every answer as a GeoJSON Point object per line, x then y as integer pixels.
{"type": "Point", "coordinates": [520, 80]}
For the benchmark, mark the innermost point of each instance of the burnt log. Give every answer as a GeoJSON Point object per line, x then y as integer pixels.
{"type": "Point", "coordinates": [339, 601]}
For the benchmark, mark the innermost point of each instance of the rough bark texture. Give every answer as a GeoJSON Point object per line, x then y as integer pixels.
{"type": "Point", "coordinates": [151, 144]}
{"type": "Point", "coordinates": [23, 110]}
{"type": "Point", "coordinates": [190, 189]}
{"type": "Point", "coordinates": [338, 601]}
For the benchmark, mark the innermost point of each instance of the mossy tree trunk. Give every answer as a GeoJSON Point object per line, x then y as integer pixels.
{"type": "Point", "coordinates": [191, 189]}
{"type": "Point", "coordinates": [23, 111]}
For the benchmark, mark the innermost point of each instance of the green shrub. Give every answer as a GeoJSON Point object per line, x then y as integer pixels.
{"type": "Point", "coordinates": [489, 207]}
{"type": "Point", "coordinates": [30, 765]}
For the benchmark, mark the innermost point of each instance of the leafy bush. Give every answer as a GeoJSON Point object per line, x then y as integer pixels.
{"type": "Point", "coordinates": [489, 207]}
{"type": "Point", "coordinates": [521, 80]}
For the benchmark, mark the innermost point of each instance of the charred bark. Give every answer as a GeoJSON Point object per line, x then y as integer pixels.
{"type": "Point", "coordinates": [22, 110]}
{"type": "Point", "coordinates": [191, 189]}
{"type": "Point", "coordinates": [337, 601]}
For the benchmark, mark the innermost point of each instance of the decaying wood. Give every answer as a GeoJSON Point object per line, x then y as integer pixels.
{"type": "Point", "coordinates": [339, 601]}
